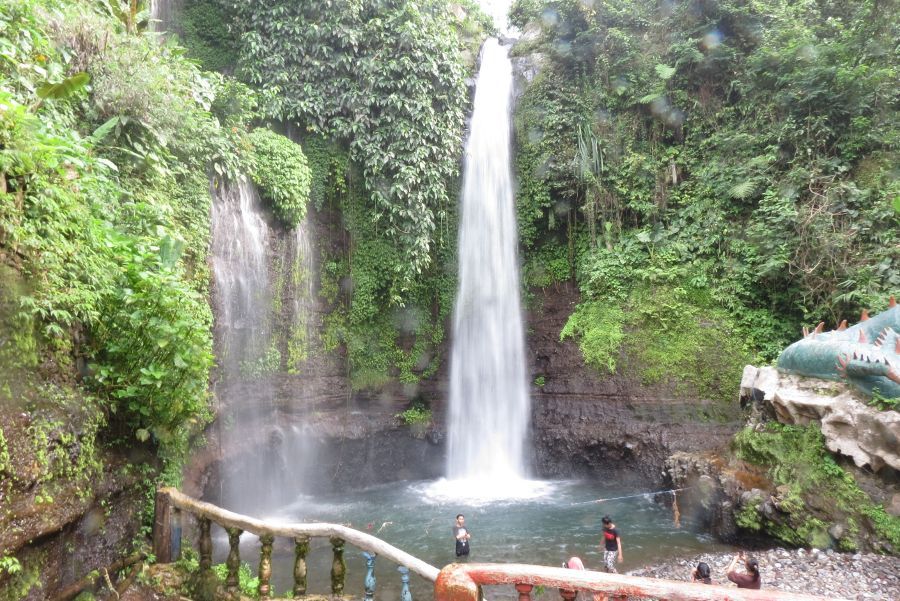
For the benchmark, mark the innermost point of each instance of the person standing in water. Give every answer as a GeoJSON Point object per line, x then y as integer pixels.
{"type": "Point", "coordinates": [462, 536]}
{"type": "Point", "coordinates": [612, 545]}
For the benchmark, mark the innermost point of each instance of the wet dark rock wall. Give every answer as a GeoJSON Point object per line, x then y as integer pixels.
{"type": "Point", "coordinates": [583, 424]}
{"type": "Point", "coordinates": [84, 527]}
{"type": "Point", "coordinates": [587, 424]}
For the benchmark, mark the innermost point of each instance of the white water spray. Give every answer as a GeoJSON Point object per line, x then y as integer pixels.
{"type": "Point", "coordinates": [241, 299]}
{"type": "Point", "coordinates": [489, 404]}
{"type": "Point", "coordinates": [240, 272]}
{"type": "Point", "coordinates": [163, 15]}
{"type": "Point", "coordinates": [270, 464]}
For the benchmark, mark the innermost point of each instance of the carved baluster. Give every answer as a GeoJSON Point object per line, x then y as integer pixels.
{"type": "Point", "coordinates": [204, 546]}
{"type": "Point", "coordinates": [405, 595]}
{"type": "Point", "coordinates": [265, 566]}
{"type": "Point", "coordinates": [232, 580]}
{"type": "Point", "coordinates": [301, 548]}
{"type": "Point", "coordinates": [524, 591]}
{"type": "Point", "coordinates": [338, 567]}
{"type": "Point", "coordinates": [205, 581]}
{"type": "Point", "coordinates": [568, 595]}
{"type": "Point", "coordinates": [370, 575]}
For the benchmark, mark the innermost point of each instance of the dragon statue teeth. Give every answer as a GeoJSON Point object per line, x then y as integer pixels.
{"type": "Point", "coordinates": [865, 355]}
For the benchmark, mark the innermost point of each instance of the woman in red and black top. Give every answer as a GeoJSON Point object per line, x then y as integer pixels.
{"type": "Point", "coordinates": [751, 579]}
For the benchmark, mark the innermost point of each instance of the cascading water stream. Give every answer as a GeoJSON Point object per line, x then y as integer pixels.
{"type": "Point", "coordinates": [241, 301]}
{"type": "Point", "coordinates": [489, 401]}
{"type": "Point", "coordinates": [265, 427]}
{"type": "Point", "coordinates": [163, 15]}
{"type": "Point", "coordinates": [240, 272]}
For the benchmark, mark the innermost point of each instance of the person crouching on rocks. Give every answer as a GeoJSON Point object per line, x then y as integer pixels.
{"type": "Point", "coordinates": [751, 579]}
{"type": "Point", "coordinates": [701, 573]}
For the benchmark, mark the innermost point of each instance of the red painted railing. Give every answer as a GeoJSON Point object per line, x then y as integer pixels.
{"type": "Point", "coordinates": [461, 582]}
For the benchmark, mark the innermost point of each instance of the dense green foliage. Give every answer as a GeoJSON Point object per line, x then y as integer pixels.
{"type": "Point", "coordinates": [662, 332]}
{"type": "Point", "coordinates": [417, 414]}
{"type": "Point", "coordinates": [742, 152]}
{"type": "Point", "coordinates": [599, 331]}
{"type": "Point", "coordinates": [815, 488]}
{"type": "Point", "coordinates": [281, 173]}
{"type": "Point", "coordinates": [386, 78]}
{"type": "Point", "coordinates": [203, 26]}
{"type": "Point", "coordinates": [376, 92]}
{"type": "Point", "coordinates": [383, 342]}
{"type": "Point", "coordinates": [105, 141]}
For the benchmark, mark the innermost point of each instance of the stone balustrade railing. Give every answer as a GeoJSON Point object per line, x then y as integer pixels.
{"type": "Point", "coordinates": [170, 504]}
{"type": "Point", "coordinates": [463, 582]}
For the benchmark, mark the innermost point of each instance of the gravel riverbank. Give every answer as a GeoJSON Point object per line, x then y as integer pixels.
{"type": "Point", "coordinates": [839, 575]}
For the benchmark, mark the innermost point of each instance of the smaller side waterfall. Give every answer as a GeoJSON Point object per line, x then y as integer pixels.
{"type": "Point", "coordinates": [242, 298]}
{"type": "Point", "coordinates": [264, 296]}
{"type": "Point", "coordinates": [240, 272]}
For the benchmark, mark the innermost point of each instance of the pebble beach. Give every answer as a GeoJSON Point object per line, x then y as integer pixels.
{"type": "Point", "coordinates": [857, 576]}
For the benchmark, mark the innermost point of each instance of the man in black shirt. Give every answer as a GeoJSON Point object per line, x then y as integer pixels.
{"type": "Point", "coordinates": [612, 544]}
{"type": "Point", "coordinates": [462, 536]}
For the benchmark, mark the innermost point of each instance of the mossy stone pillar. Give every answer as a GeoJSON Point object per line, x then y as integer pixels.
{"type": "Point", "coordinates": [301, 548]}
{"type": "Point", "coordinates": [265, 566]}
{"type": "Point", "coordinates": [338, 567]}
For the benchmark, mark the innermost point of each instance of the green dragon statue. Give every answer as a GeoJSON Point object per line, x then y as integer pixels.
{"type": "Point", "coordinates": [866, 355]}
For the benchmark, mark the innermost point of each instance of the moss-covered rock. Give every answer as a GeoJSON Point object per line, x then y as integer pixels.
{"type": "Point", "coordinates": [812, 500]}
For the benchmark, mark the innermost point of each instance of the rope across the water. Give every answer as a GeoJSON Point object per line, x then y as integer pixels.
{"type": "Point", "coordinates": [673, 491]}
{"type": "Point", "coordinates": [643, 494]}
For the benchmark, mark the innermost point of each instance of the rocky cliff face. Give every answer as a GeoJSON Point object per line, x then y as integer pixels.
{"type": "Point", "coordinates": [587, 424]}
{"type": "Point", "coordinates": [867, 435]}
{"type": "Point", "coordinates": [583, 424]}
{"type": "Point", "coordinates": [782, 482]}
{"type": "Point", "coordinates": [59, 492]}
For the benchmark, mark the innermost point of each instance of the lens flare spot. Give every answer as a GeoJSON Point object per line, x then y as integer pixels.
{"type": "Point", "coordinates": [712, 39]}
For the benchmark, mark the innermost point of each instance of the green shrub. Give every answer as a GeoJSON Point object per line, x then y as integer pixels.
{"type": "Point", "coordinates": [547, 265]}
{"type": "Point", "coordinates": [758, 163]}
{"type": "Point", "coordinates": [523, 12]}
{"type": "Point", "coordinates": [676, 333]}
{"type": "Point", "coordinates": [417, 414]}
{"type": "Point", "coordinates": [884, 404]}
{"type": "Point", "coordinates": [153, 350]}
{"type": "Point", "coordinates": [248, 581]}
{"type": "Point", "coordinates": [598, 327]}
{"type": "Point", "coordinates": [18, 581]}
{"type": "Point", "coordinates": [282, 175]}
{"type": "Point", "coordinates": [107, 206]}
{"type": "Point", "coordinates": [204, 28]}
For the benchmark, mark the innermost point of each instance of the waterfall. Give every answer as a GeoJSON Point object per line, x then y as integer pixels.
{"type": "Point", "coordinates": [240, 273]}
{"type": "Point", "coordinates": [242, 301]}
{"type": "Point", "coordinates": [489, 403]}
{"type": "Point", "coordinates": [162, 15]}
{"type": "Point", "coordinates": [266, 336]}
